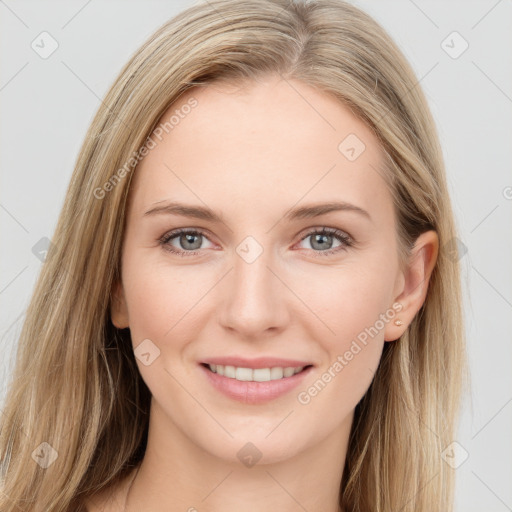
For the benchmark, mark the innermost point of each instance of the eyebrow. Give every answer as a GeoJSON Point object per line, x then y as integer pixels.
{"type": "Point", "coordinates": [205, 213]}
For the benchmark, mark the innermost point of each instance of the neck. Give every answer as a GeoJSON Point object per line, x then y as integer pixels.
{"type": "Point", "coordinates": [177, 475]}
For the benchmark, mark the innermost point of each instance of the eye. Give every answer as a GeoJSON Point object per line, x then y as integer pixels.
{"type": "Point", "coordinates": [322, 241]}
{"type": "Point", "coordinates": [189, 241]}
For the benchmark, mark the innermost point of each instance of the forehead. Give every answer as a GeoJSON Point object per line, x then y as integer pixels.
{"type": "Point", "coordinates": [270, 142]}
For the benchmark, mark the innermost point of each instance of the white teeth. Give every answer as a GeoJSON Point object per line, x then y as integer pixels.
{"type": "Point", "coordinates": [243, 374]}
{"type": "Point", "coordinates": [288, 372]}
{"type": "Point", "coordinates": [261, 374]}
{"type": "Point", "coordinates": [276, 373]}
{"type": "Point", "coordinates": [256, 375]}
{"type": "Point", "coordinates": [229, 371]}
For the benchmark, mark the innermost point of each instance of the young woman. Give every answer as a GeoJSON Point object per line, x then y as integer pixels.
{"type": "Point", "coordinates": [248, 303]}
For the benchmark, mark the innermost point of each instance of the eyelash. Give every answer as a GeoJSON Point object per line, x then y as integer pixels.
{"type": "Point", "coordinates": [345, 239]}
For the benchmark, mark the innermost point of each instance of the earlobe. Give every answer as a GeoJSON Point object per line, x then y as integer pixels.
{"type": "Point", "coordinates": [118, 308]}
{"type": "Point", "coordinates": [416, 279]}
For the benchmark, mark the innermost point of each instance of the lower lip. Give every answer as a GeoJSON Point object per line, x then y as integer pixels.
{"type": "Point", "coordinates": [250, 392]}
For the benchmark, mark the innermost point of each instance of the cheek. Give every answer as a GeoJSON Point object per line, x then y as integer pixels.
{"type": "Point", "coordinates": [353, 308]}
{"type": "Point", "coordinates": [164, 307]}
{"type": "Point", "coordinates": [362, 299]}
{"type": "Point", "coordinates": [169, 305]}
{"type": "Point", "coordinates": [159, 296]}
{"type": "Point", "coordinates": [349, 299]}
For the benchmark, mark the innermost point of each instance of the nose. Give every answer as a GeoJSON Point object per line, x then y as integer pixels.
{"type": "Point", "coordinates": [255, 304]}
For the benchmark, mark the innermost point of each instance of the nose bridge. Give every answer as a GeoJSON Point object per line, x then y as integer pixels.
{"type": "Point", "coordinates": [255, 296]}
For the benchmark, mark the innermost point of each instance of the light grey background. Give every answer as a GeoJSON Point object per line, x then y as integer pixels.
{"type": "Point", "coordinates": [47, 105]}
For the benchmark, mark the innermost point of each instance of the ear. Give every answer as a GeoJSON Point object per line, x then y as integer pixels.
{"type": "Point", "coordinates": [118, 308]}
{"type": "Point", "coordinates": [415, 279]}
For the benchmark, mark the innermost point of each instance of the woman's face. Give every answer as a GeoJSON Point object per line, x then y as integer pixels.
{"type": "Point", "coordinates": [245, 172]}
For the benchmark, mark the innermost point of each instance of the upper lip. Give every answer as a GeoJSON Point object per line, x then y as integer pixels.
{"type": "Point", "coordinates": [259, 362]}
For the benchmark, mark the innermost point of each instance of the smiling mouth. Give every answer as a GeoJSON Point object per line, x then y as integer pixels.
{"type": "Point", "coordinates": [256, 374]}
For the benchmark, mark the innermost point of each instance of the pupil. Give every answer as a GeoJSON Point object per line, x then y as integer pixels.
{"type": "Point", "coordinates": [189, 239]}
{"type": "Point", "coordinates": [322, 245]}
{"type": "Point", "coordinates": [319, 239]}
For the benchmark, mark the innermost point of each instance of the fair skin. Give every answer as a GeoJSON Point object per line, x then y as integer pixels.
{"type": "Point", "coordinates": [251, 154]}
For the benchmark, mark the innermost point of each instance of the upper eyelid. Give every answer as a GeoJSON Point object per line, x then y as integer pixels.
{"type": "Point", "coordinates": [336, 232]}
{"type": "Point", "coordinates": [174, 233]}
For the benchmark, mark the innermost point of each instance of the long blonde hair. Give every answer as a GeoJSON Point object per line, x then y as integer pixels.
{"type": "Point", "coordinates": [76, 385]}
